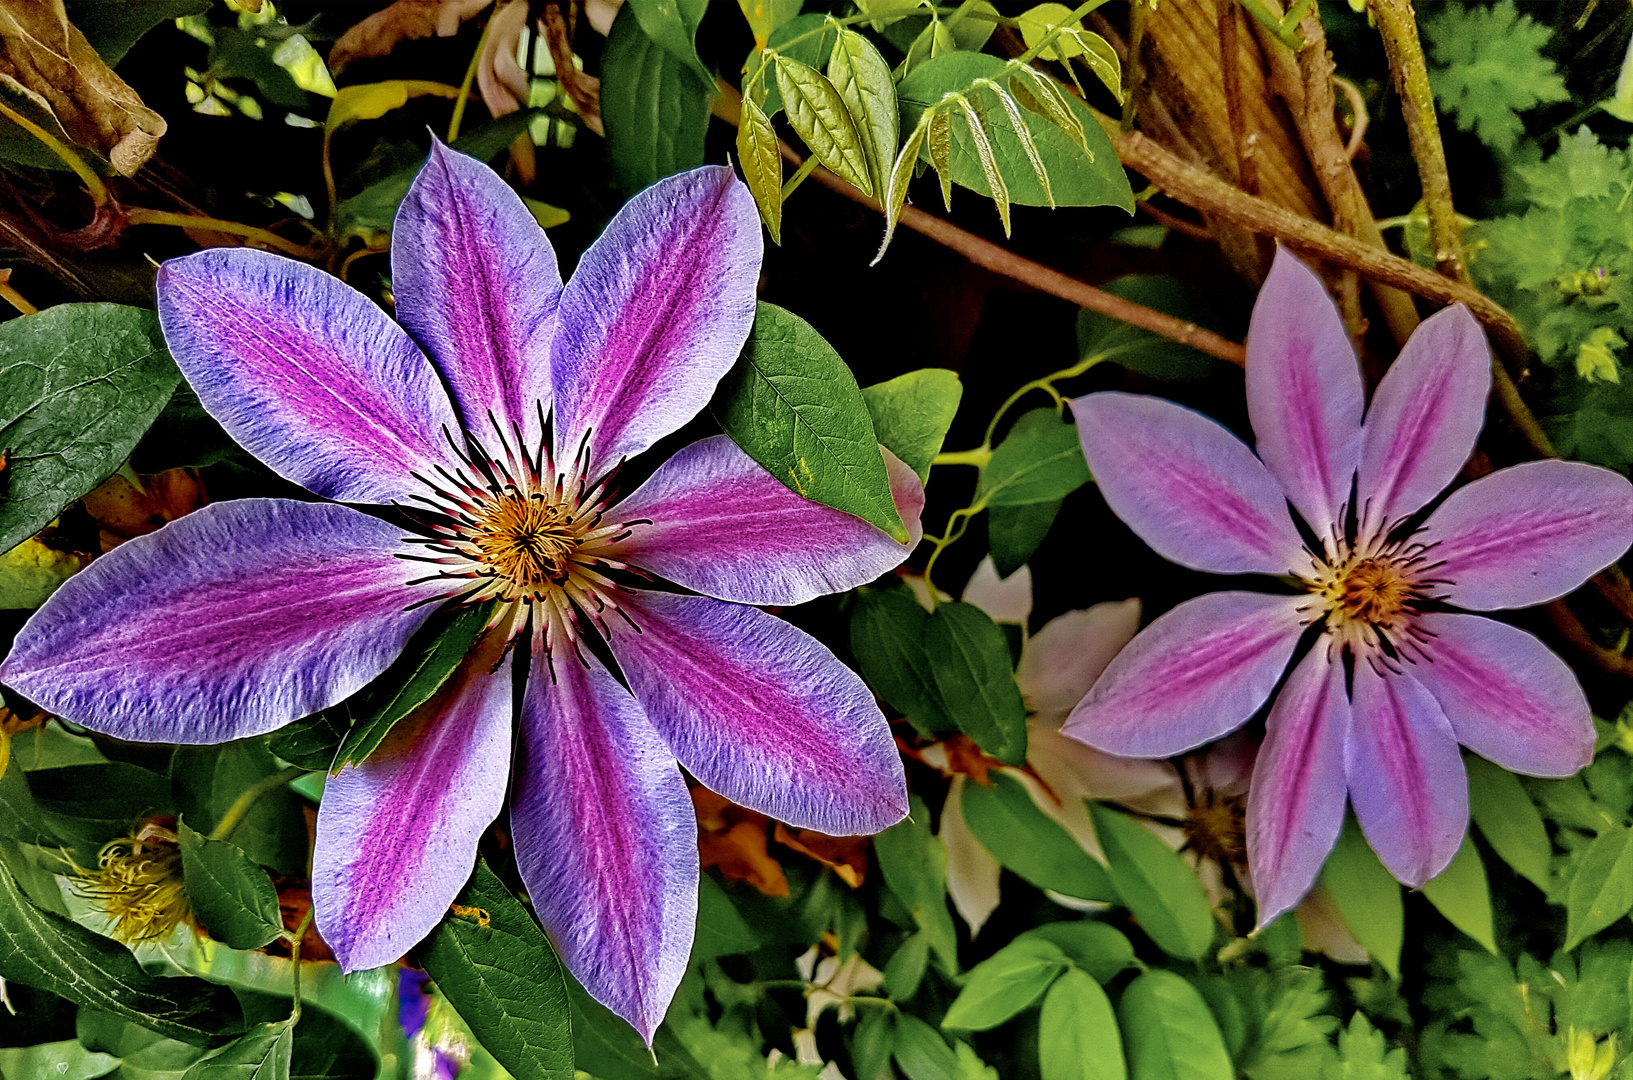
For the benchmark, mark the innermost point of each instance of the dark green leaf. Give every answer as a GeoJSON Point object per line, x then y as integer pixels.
{"type": "Point", "coordinates": [183, 435]}
{"type": "Point", "coordinates": [1508, 819]}
{"type": "Point", "coordinates": [1014, 533]}
{"type": "Point", "coordinates": [905, 969]}
{"type": "Point", "coordinates": [921, 1053]}
{"type": "Point", "coordinates": [239, 53]}
{"type": "Point", "coordinates": [261, 1053]}
{"type": "Point", "coordinates": [887, 639]}
{"type": "Point", "coordinates": [1040, 460]}
{"type": "Point", "coordinates": [915, 867]}
{"type": "Point", "coordinates": [1601, 890]}
{"type": "Point", "coordinates": [1028, 841]}
{"type": "Point", "coordinates": [143, 1054]}
{"type": "Point", "coordinates": [1003, 984]}
{"type": "Point", "coordinates": [87, 805]}
{"type": "Point", "coordinates": [1141, 350]}
{"type": "Point", "coordinates": [504, 979]}
{"type": "Point", "coordinates": [721, 931]}
{"type": "Point", "coordinates": [79, 383]}
{"type": "Point", "coordinates": [975, 679]}
{"type": "Point", "coordinates": [1462, 894]}
{"type": "Point", "coordinates": [208, 780]}
{"type": "Point", "coordinates": [818, 114]}
{"type": "Point", "coordinates": [1077, 1035]}
{"type": "Point", "coordinates": [327, 1048]}
{"type": "Point", "coordinates": [792, 405]}
{"type": "Point", "coordinates": [111, 29]}
{"type": "Point", "coordinates": [1368, 897]}
{"type": "Point", "coordinates": [1155, 884]}
{"type": "Point", "coordinates": [20, 816]}
{"type": "Point", "coordinates": [230, 894]}
{"type": "Point", "coordinates": [38, 948]}
{"type": "Point", "coordinates": [654, 105]}
{"type": "Point", "coordinates": [1102, 951]}
{"type": "Point", "coordinates": [1169, 1032]}
{"type": "Point", "coordinates": [673, 24]}
{"type": "Point", "coordinates": [606, 1046]}
{"type": "Point", "coordinates": [65, 1060]}
{"type": "Point", "coordinates": [310, 742]}
{"type": "Point", "coordinates": [911, 414]}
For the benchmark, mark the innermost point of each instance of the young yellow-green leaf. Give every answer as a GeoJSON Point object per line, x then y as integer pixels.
{"type": "Point", "coordinates": [911, 414]}
{"type": "Point", "coordinates": [1029, 842]}
{"type": "Point", "coordinates": [940, 145]}
{"type": "Point", "coordinates": [762, 165]}
{"type": "Point", "coordinates": [901, 174]}
{"type": "Point", "coordinates": [1004, 983]}
{"type": "Point", "coordinates": [887, 639]}
{"type": "Point", "coordinates": [1077, 1033]}
{"type": "Point", "coordinates": [1102, 951]}
{"type": "Point", "coordinates": [764, 16]}
{"type": "Point", "coordinates": [1102, 60]}
{"type": "Point", "coordinates": [1462, 894]}
{"type": "Point", "coordinates": [370, 101]}
{"type": "Point", "coordinates": [498, 970]}
{"type": "Point", "coordinates": [914, 864]}
{"type": "Point", "coordinates": [819, 116]}
{"type": "Point", "coordinates": [1155, 884]}
{"type": "Point", "coordinates": [862, 79]}
{"type": "Point", "coordinates": [1039, 22]}
{"type": "Point", "coordinates": [1368, 897]}
{"type": "Point", "coordinates": [1040, 94]}
{"type": "Point", "coordinates": [1017, 124]}
{"type": "Point", "coordinates": [996, 188]}
{"type": "Point", "coordinates": [975, 679]}
{"type": "Point", "coordinates": [1601, 890]}
{"type": "Point", "coordinates": [261, 1053]}
{"type": "Point", "coordinates": [79, 384]}
{"type": "Point", "coordinates": [793, 406]}
{"type": "Point", "coordinates": [1508, 819]}
{"type": "Point", "coordinates": [1040, 460]}
{"type": "Point", "coordinates": [227, 891]}
{"type": "Point", "coordinates": [1169, 1031]}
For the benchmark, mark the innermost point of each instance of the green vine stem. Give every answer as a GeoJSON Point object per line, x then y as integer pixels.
{"type": "Point", "coordinates": [247, 800]}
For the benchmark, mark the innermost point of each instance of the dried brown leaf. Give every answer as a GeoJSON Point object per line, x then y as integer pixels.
{"type": "Point", "coordinates": [405, 20]}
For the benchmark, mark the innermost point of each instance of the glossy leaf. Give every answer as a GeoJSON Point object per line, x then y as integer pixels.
{"type": "Point", "coordinates": [1508, 819]}
{"type": "Point", "coordinates": [1003, 984]}
{"type": "Point", "coordinates": [1155, 884]}
{"type": "Point", "coordinates": [862, 80]}
{"type": "Point", "coordinates": [792, 405]}
{"type": "Point", "coordinates": [1368, 897]}
{"type": "Point", "coordinates": [818, 115]}
{"type": "Point", "coordinates": [887, 639]}
{"type": "Point", "coordinates": [1462, 894]}
{"type": "Point", "coordinates": [498, 970]}
{"type": "Point", "coordinates": [813, 51]}
{"type": "Point", "coordinates": [915, 867]}
{"type": "Point", "coordinates": [911, 414]}
{"type": "Point", "coordinates": [1169, 1031]}
{"type": "Point", "coordinates": [1077, 1033]}
{"type": "Point", "coordinates": [262, 1053]}
{"type": "Point", "coordinates": [1014, 532]}
{"type": "Point", "coordinates": [1028, 841]}
{"type": "Point", "coordinates": [975, 679]}
{"type": "Point", "coordinates": [673, 24]}
{"type": "Point", "coordinates": [1601, 890]}
{"type": "Point", "coordinates": [1040, 460]}
{"type": "Point", "coordinates": [654, 105]}
{"type": "Point", "coordinates": [1102, 951]}
{"type": "Point", "coordinates": [79, 384]}
{"type": "Point", "coordinates": [761, 162]}
{"type": "Point", "coordinates": [229, 894]}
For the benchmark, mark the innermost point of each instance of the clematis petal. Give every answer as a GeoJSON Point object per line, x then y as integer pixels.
{"type": "Point", "coordinates": [396, 835]}
{"type": "Point", "coordinates": [1425, 416]}
{"type": "Point", "coordinates": [972, 872]}
{"type": "Point", "coordinates": [1528, 533]}
{"type": "Point", "coordinates": [1507, 696]}
{"type": "Point", "coordinates": [1199, 672]}
{"type": "Point", "coordinates": [1187, 486]}
{"type": "Point", "coordinates": [606, 839]}
{"type": "Point", "coordinates": [226, 623]}
{"type": "Point", "coordinates": [655, 314]}
{"type": "Point", "coordinates": [1063, 659]}
{"type": "Point", "coordinates": [477, 286]}
{"type": "Point", "coordinates": [724, 526]}
{"type": "Point", "coordinates": [1296, 799]}
{"type": "Point", "coordinates": [762, 713]}
{"type": "Point", "coordinates": [1406, 778]}
{"type": "Point", "coordinates": [1005, 600]}
{"type": "Point", "coordinates": [1304, 392]}
{"type": "Point", "coordinates": [305, 373]}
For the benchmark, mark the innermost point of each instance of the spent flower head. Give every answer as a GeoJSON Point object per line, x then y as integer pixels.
{"type": "Point", "coordinates": [138, 885]}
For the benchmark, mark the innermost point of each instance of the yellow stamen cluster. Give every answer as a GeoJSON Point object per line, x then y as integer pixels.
{"type": "Point", "coordinates": [137, 884]}
{"type": "Point", "coordinates": [1368, 594]}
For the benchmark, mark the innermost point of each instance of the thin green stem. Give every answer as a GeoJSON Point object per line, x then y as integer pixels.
{"type": "Point", "coordinates": [977, 457]}
{"type": "Point", "coordinates": [294, 939]}
{"type": "Point", "coordinates": [465, 85]}
{"type": "Point", "coordinates": [799, 176]}
{"type": "Point", "coordinates": [138, 215]}
{"type": "Point", "coordinates": [242, 805]}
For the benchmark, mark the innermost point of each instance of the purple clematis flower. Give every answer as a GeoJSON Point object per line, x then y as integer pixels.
{"type": "Point", "coordinates": [1395, 679]}
{"type": "Point", "coordinates": [246, 615]}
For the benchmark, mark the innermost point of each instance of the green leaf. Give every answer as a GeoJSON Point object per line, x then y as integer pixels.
{"type": "Point", "coordinates": [911, 414]}
{"type": "Point", "coordinates": [887, 638]}
{"type": "Point", "coordinates": [111, 29]}
{"type": "Point", "coordinates": [818, 115]}
{"type": "Point", "coordinates": [231, 895]}
{"type": "Point", "coordinates": [430, 659]}
{"type": "Point", "coordinates": [1461, 893]}
{"type": "Point", "coordinates": [862, 79]}
{"type": "Point", "coordinates": [1368, 897]}
{"type": "Point", "coordinates": [87, 805]}
{"type": "Point", "coordinates": [1076, 177]}
{"type": "Point", "coordinates": [261, 1053]}
{"type": "Point", "coordinates": [310, 742]}
{"type": "Point", "coordinates": [1028, 841]}
{"type": "Point", "coordinates": [209, 780]}
{"type": "Point", "coordinates": [872, 1043]}
{"type": "Point", "coordinates": [605, 1046]}
{"type": "Point", "coordinates": [1290, 1040]}
{"type": "Point", "coordinates": [915, 867]}
{"type": "Point", "coordinates": [921, 1053]}
{"type": "Point", "coordinates": [1077, 1033]}
{"type": "Point", "coordinates": [792, 405]}
{"type": "Point", "coordinates": [327, 1048]}
{"type": "Point", "coordinates": [981, 142]}
{"type": "Point", "coordinates": [79, 384]}
{"type": "Point", "coordinates": [143, 1054]}
{"type": "Point", "coordinates": [1364, 1055]}
{"type": "Point", "coordinates": [1488, 66]}
{"type": "Point", "coordinates": [721, 931]}
{"type": "Point", "coordinates": [1102, 951]}
{"type": "Point", "coordinates": [1003, 984]}
{"type": "Point", "coordinates": [38, 948]}
{"type": "Point", "coordinates": [813, 51]}
{"type": "Point", "coordinates": [1141, 350]}
{"type": "Point", "coordinates": [1014, 533]}
{"type": "Point", "coordinates": [241, 53]}
{"type": "Point", "coordinates": [504, 979]}
{"type": "Point", "coordinates": [1508, 819]}
{"type": "Point", "coordinates": [761, 162]}
{"type": "Point", "coordinates": [905, 969]}
{"type": "Point", "coordinates": [1169, 1032]}
{"type": "Point", "coordinates": [1040, 460]}
{"type": "Point", "coordinates": [673, 24]}
{"type": "Point", "coordinates": [975, 679]}
{"type": "Point", "coordinates": [65, 1060]}
{"type": "Point", "coordinates": [654, 105]}
{"type": "Point", "coordinates": [1155, 884]}
{"type": "Point", "coordinates": [901, 174]}
{"type": "Point", "coordinates": [1601, 890]}
{"type": "Point", "coordinates": [20, 816]}
{"type": "Point", "coordinates": [764, 16]}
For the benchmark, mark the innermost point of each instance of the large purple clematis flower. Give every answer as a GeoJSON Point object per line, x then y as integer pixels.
{"type": "Point", "coordinates": [246, 615]}
{"type": "Point", "coordinates": [1395, 679]}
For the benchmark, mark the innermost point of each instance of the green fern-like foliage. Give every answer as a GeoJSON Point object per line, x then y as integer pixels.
{"type": "Point", "coordinates": [1489, 68]}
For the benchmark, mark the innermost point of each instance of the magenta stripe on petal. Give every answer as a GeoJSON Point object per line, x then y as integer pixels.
{"type": "Point", "coordinates": [1200, 671]}
{"type": "Point", "coordinates": [762, 713]}
{"type": "Point", "coordinates": [1406, 778]}
{"type": "Point", "coordinates": [606, 839]}
{"type": "Point", "coordinates": [1304, 392]}
{"type": "Point", "coordinates": [654, 315]}
{"type": "Point", "coordinates": [397, 835]}
{"type": "Point", "coordinates": [1507, 696]}
{"type": "Point", "coordinates": [724, 526]}
{"type": "Point", "coordinates": [1527, 534]}
{"type": "Point", "coordinates": [1296, 800]}
{"type": "Point", "coordinates": [1187, 486]}
{"type": "Point", "coordinates": [1425, 416]}
{"type": "Point", "coordinates": [226, 623]}
{"type": "Point", "coordinates": [305, 372]}
{"type": "Point", "coordinates": [477, 285]}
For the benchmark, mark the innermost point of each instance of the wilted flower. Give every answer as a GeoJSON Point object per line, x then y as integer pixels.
{"type": "Point", "coordinates": [137, 884]}
{"type": "Point", "coordinates": [246, 615]}
{"type": "Point", "coordinates": [1395, 679]}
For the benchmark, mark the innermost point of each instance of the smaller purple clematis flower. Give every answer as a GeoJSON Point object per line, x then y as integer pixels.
{"type": "Point", "coordinates": [495, 419]}
{"type": "Point", "coordinates": [1396, 678]}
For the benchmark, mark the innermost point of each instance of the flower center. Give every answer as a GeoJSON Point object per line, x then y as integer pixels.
{"type": "Point", "coordinates": [528, 541]}
{"type": "Point", "coordinates": [1369, 594]}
